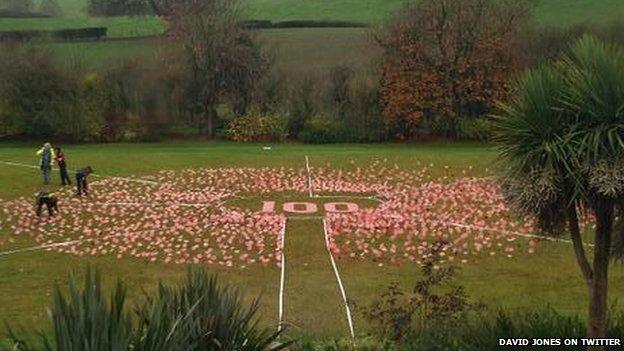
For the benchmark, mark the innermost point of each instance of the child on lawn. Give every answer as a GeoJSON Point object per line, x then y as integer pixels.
{"type": "Point", "coordinates": [62, 165]}
{"type": "Point", "coordinates": [81, 181]}
{"type": "Point", "coordinates": [49, 200]}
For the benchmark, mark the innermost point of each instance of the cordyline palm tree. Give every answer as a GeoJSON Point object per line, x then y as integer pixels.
{"type": "Point", "coordinates": [561, 138]}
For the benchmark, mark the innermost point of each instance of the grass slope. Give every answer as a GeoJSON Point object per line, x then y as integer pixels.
{"type": "Point", "coordinates": [548, 12]}
{"type": "Point", "coordinates": [312, 302]}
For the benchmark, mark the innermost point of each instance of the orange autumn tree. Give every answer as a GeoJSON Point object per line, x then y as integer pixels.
{"type": "Point", "coordinates": [445, 60]}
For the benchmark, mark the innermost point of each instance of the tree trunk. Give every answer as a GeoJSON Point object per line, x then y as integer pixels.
{"type": "Point", "coordinates": [598, 286]}
{"type": "Point", "coordinates": [210, 117]}
{"type": "Point", "coordinates": [577, 241]}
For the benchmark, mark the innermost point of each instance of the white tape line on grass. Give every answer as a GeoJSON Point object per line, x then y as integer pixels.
{"type": "Point", "coordinates": [309, 176]}
{"type": "Point", "coordinates": [337, 274]}
{"type": "Point", "coordinates": [372, 198]}
{"type": "Point", "coordinates": [524, 235]}
{"type": "Point", "coordinates": [42, 247]}
{"type": "Point", "coordinates": [67, 243]}
{"type": "Point", "coordinates": [172, 204]}
{"type": "Point", "coordinates": [18, 164]}
{"type": "Point", "coordinates": [23, 165]}
{"type": "Point", "coordinates": [313, 196]}
{"type": "Point", "coordinates": [282, 277]}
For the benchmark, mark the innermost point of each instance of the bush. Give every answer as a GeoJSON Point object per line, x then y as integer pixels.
{"type": "Point", "coordinates": [17, 6]}
{"type": "Point", "coordinates": [360, 344]}
{"type": "Point", "coordinates": [132, 104]}
{"type": "Point", "coordinates": [48, 101]}
{"type": "Point", "coordinates": [545, 44]}
{"type": "Point", "coordinates": [482, 334]}
{"type": "Point", "coordinates": [433, 302]}
{"type": "Point", "coordinates": [476, 129]}
{"type": "Point", "coordinates": [320, 130]}
{"type": "Point", "coordinates": [50, 8]}
{"type": "Point", "coordinates": [305, 100]}
{"type": "Point", "coordinates": [362, 120]}
{"type": "Point", "coordinates": [119, 7]}
{"type": "Point", "coordinates": [255, 126]}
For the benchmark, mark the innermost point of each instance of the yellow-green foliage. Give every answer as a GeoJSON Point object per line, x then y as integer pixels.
{"type": "Point", "coordinates": [255, 126]}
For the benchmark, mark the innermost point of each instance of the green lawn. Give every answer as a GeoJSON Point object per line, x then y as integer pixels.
{"type": "Point", "coordinates": [313, 303]}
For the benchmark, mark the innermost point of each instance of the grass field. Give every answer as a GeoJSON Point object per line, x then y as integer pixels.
{"type": "Point", "coordinates": [296, 51]}
{"type": "Point", "coordinates": [312, 300]}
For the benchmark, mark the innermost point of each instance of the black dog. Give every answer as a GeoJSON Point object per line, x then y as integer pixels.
{"type": "Point", "coordinates": [49, 200]}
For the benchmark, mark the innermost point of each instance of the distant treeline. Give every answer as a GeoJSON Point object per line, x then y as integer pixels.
{"type": "Point", "coordinates": [265, 24]}
{"type": "Point", "coordinates": [94, 33]}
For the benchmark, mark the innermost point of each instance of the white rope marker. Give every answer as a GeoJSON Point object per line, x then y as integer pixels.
{"type": "Point", "coordinates": [309, 176]}
{"type": "Point", "coordinates": [42, 247]}
{"type": "Point", "coordinates": [314, 196]}
{"type": "Point", "coordinates": [282, 277]}
{"type": "Point", "coordinates": [342, 289]}
{"type": "Point", "coordinates": [524, 235]}
{"type": "Point", "coordinates": [137, 180]}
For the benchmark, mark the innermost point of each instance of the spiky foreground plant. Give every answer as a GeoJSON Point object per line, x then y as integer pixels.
{"type": "Point", "coordinates": [200, 314]}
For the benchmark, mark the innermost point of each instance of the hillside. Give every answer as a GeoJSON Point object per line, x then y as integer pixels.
{"type": "Point", "coordinates": [548, 12]}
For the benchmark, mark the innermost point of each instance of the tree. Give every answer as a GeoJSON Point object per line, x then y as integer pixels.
{"type": "Point", "coordinates": [561, 135]}
{"type": "Point", "coordinates": [448, 59]}
{"type": "Point", "coordinates": [214, 58]}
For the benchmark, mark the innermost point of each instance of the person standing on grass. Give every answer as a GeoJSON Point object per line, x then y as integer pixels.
{"type": "Point", "coordinates": [62, 165]}
{"type": "Point", "coordinates": [46, 162]}
{"type": "Point", "coordinates": [81, 181]}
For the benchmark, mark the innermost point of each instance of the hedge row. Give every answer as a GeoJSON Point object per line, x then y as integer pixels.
{"type": "Point", "coordinates": [94, 33]}
{"type": "Point", "coordinates": [265, 24]}
{"type": "Point", "coordinates": [20, 14]}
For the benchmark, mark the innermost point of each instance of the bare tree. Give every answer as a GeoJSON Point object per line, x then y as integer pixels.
{"type": "Point", "coordinates": [214, 58]}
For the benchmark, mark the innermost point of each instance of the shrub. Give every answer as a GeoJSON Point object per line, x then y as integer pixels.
{"type": "Point", "coordinates": [49, 101]}
{"type": "Point", "coordinates": [360, 344]}
{"type": "Point", "coordinates": [320, 130]}
{"type": "Point", "coordinates": [17, 6]}
{"type": "Point", "coordinates": [255, 126]}
{"type": "Point", "coordinates": [118, 7]}
{"type": "Point", "coordinates": [545, 44]}
{"type": "Point", "coordinates": [477, 129]}
{"type": "Point", "coordinates": [362, 120]}
{"type": "Point", "coordinates": [481, 334]}
{"type": "Point", "coordinates": [433, 302]}
{"type": "Point", "coordinates": [50, 8]}
{"type": "Point", "coordinates": [305, 100]}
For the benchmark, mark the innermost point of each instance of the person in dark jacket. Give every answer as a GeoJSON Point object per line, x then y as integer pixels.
{"type": "Point", "coordinates": [49, 200]}
{"type": "Point", "coordinates": [81, 180]}
{"type": "Point", "coordinates": [61, 162]}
